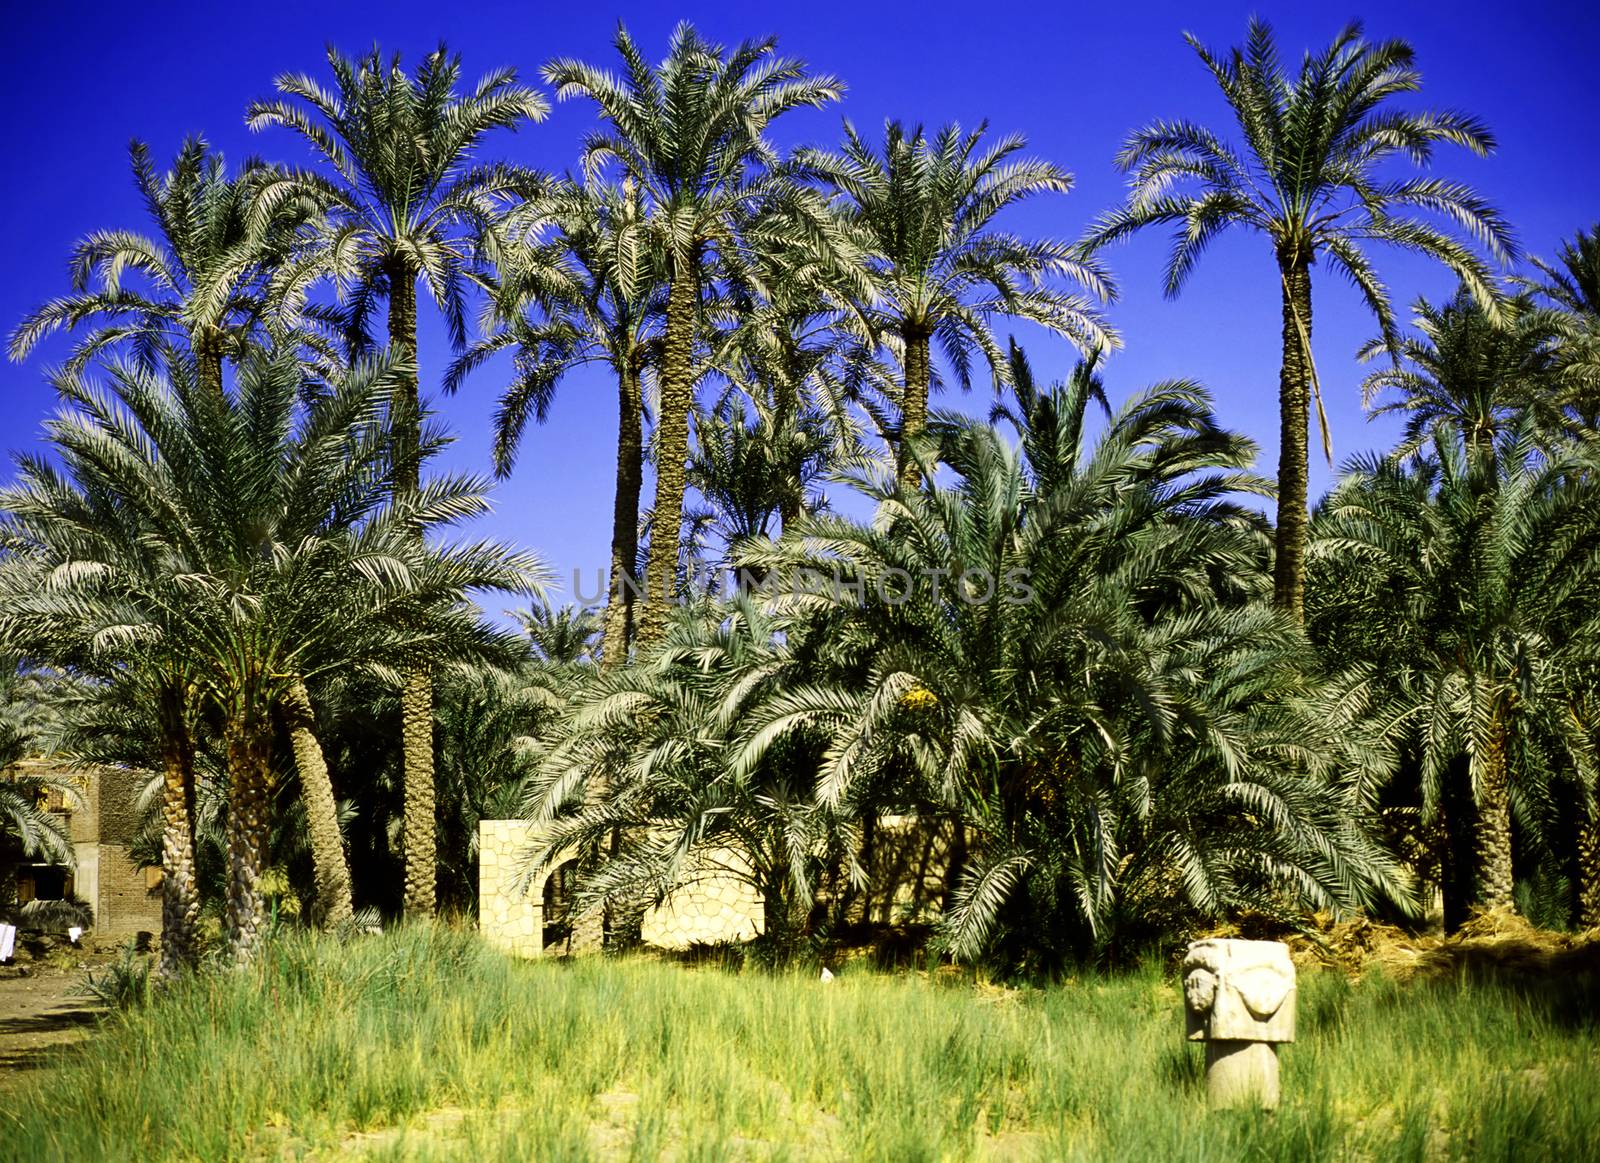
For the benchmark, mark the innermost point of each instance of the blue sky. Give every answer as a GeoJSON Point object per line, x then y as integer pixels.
{"type": "Point", "coordinates": [85, 78]}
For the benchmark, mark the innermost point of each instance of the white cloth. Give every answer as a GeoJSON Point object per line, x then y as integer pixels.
{"type": "Point", "coordinates": [8, 941]}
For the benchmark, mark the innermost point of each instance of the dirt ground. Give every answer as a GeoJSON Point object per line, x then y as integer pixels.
{"type": "Point", "coordinates": [41, 1016]}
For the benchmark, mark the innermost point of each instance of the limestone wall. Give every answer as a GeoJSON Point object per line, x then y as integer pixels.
{"type": "Point", "coordinates": [714, 903]}
{"type": "Point", "coordinates": [508, 919]}
{"type": "Point", "coordinates": [906, 859]}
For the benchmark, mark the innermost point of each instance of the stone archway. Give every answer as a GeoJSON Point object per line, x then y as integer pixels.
{"type": "Point", "coordinates": [510, 903]}
{"type": "Point", "coordinates": [713, 902]}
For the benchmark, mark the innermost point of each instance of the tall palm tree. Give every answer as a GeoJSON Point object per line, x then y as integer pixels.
{"type": "Point", "coordinates": [1310, 178]}
{"type": "Point", "coordinates": [1479, 575]}
{"type": "Point", "coordinates": [590, 295]}
{"type": "Point", "coordinates": [940, 269]}
{"type": "Point", "coordinates": [278, 559]}
{"type": "Point", "coordinates": [404, 197]}
{"type": "Point", "coordinates": [691, 134]}
{"type": "Point", "coordinates": [203, 278]}
{"type": "Point", "coordinates": [130, 671]}
{"type": "Point", "coordinates": [797, 348]}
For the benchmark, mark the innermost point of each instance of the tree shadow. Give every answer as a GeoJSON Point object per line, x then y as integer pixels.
{"type": "Point", "coordinates": [27, 1043]}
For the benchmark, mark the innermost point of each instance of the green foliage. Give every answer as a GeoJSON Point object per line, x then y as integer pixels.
{"type": "Point", "coordinates": [124, 984]}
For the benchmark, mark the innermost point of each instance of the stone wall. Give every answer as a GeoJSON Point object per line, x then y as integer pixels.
{"type": "Point", "coordinates": [715, 901]}
{"type": "Point", "coordinates": [906, 859]}
{"type": "Point", "coordinates": [510, 914]}
{"type": "Point", "coordinates": [714, 904]}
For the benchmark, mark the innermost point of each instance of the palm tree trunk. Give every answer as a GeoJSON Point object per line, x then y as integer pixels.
{"type": "Point", "coordinates": [208, 368]}
{"type": "Point", "coordinates": [1494, 819]}
{"type": "Point", "coordinates": [247, 751]}
{"type": "Point", "coordinates": [416, 726]}
{"type": "Point", "coordinates": [1294, 423]}
{"type": "Point", "coordinates": [180, 897]}
{"type": "Point", "coordinates": [672, 456]}
{"type": "Point", "coordinates": [913, 404]}
{"type": "Point", "coordinates": [1589, 870]}
{"type": "Point", "coordinates": [331, 871]}
{"type": "Point", "coordinates": [625, 519]}
{"type": "Point", "coordinates": [416, 700]}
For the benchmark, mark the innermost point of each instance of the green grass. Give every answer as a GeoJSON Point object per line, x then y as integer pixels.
{"type": "Point", "coordinates": [423, 1044]}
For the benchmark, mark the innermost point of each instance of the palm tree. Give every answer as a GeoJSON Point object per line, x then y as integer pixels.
{"type": "Point", "coordinates": [27, 826]}
{"type": "Point", "coordinates": [1571, 285]}
{"type": "Point", "coordinates": [940, 270]}
{"type": "Point", "coordinates": [204, 274]}
{"type": "Point", "coordinates": [404, 197]}
{"type": "Point", "coordinates": [797, 350]}
{"type": "Point", "coordinates": [1572, 282]}
{"type": "Point", "coordinates": [562, 637]}
{"type": "Point", "coordinates": [277, 562]}
{"type": "Point", "coordinates": [1068, 651]}
{"type": "Point", "coordinates": [690, 133]}
{"type": "Point", "coordinates": [129, 675]}
{"type": "Point", "coordinates": [1309, 179]}
{"type": "Point", "coordinates": [1478, 576]}
{"type": "Point", "coordinates": [1465, 374]}
{"type": "Point", "coordinates": [641, 768]}
{"type": "Point", "coordinates": [591, 295]}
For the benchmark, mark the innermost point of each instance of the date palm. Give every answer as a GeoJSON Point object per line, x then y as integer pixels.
{"type": "Point", "coordinates": [27, 827]}
{"type": "Point", "coordinates": [1309, 176]}
{"type": "Point", "coordinates": [277, 560]}
{"type": "Point", "coordinates": [1572, 281]}
{"type": "Point", "coordinates": [1067, 649]}
{"type": "Point", "coordinates": [203, 277]}
{"type": "Point", "coordinates": [404, 197]}
{"type": "Point", "coordinates": [590, 295]}
{"type": "Point", "coordinates": [1478, 574]}
{"type": "Point", "coordinates": [796, 352]}
{"type": "Point", "coordinates": [941, 271]}
{"type": "Point", "coordinates": [128, 670]}
{"type": "Point", "coordinates": [1461, 372]}
{"type": "Point", "coordinates": [691, 134]}
{"type": "Point", "coordinates": [1571, 284]}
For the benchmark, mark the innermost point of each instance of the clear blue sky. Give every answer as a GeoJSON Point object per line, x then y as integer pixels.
{"type": "Point", "coordinates": [84, 78]}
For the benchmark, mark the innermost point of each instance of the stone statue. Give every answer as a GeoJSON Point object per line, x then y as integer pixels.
{"type": "Point", "coordinates": [1239, 999]}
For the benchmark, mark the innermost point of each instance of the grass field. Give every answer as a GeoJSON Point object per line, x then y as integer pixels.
{"type": "Point", "coordinates": [422, 1044]}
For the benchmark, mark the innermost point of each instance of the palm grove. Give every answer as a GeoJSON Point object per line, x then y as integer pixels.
{"type": "Point", "coordinates": [1066, 633]}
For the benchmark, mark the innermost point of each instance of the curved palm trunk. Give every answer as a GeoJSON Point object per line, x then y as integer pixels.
{"type": "Point", "coordinates": [248, 749]}
{"type": "Point", "coordinates": [625, 519]}
{"type": "Point", "coordinates": [180, 896]}
{"type": "Point", "coordinates": [1294, 423]}
{"type": "Point", "coordinates": [672, 456]}
{"type": "Point", "coordinates": [332, 872]}
{"type": "Point", "coordinates": [1494, 820]}
{"type": "Point", "coordinates": [416, 700]}
{"type": "Point", "coordinates": [913, 404]}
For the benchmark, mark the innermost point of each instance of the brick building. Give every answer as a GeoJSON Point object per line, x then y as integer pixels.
{"type": "Point", "coordinates": [102, 823]}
